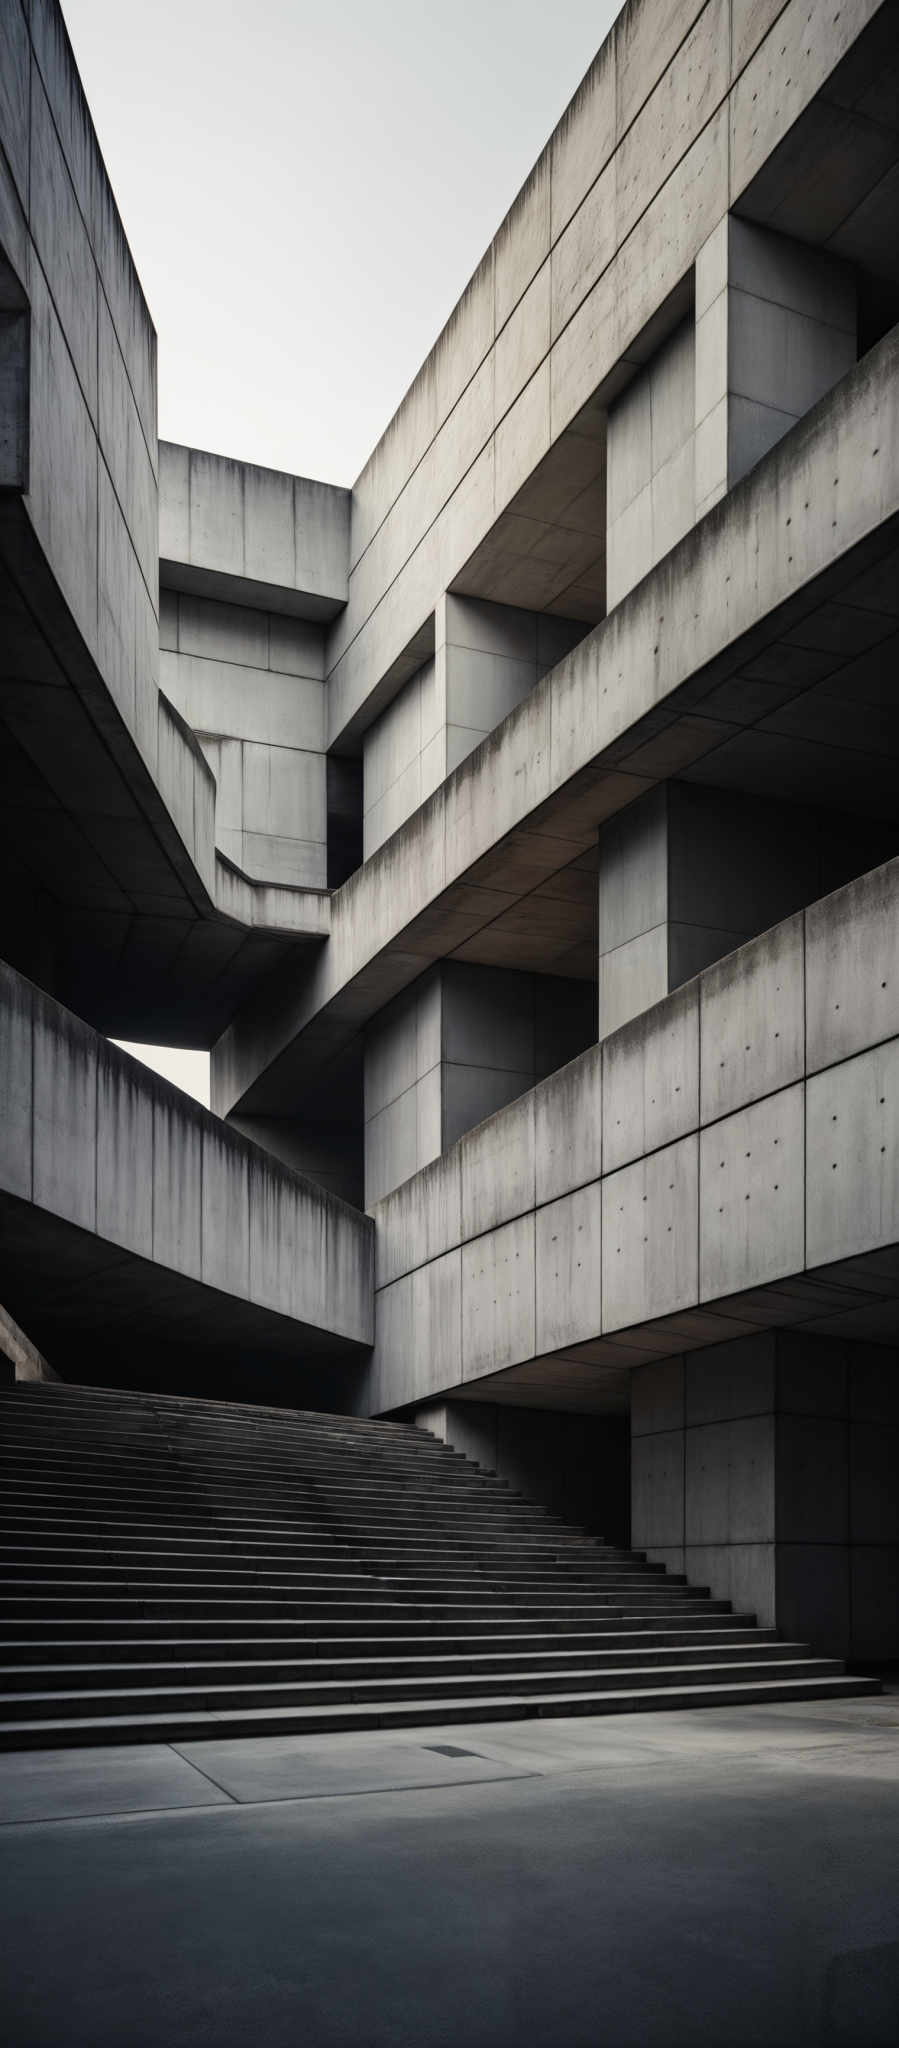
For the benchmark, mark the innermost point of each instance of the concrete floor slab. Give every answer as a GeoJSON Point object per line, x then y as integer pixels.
{"type": "Point", "coordinates": [65, 1784]}
{"type": "Point", "coordinates": [308, 1767]}
{"type": "Point", "coordinates": [731, 1878]}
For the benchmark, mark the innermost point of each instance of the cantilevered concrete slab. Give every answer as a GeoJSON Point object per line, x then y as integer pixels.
{"type": "Point", "coordinates": [137, 1226]}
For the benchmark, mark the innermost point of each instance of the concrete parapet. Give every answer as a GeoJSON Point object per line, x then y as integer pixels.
{"type": "Point", "coordinates": [107, 1169]}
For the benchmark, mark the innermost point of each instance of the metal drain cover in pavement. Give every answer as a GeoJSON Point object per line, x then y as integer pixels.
{"type": "Point", "coordinates": [448, 1749]}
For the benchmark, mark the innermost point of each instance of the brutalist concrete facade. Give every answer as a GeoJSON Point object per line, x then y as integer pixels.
{"type": "Point", "coordinates": [518, 827]}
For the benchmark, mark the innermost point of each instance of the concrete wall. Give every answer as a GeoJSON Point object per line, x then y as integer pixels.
{"type": "Point", "coordinates": [250, 684]}
{"type": "Point", "coordinates": [775, 329]}
{"type": "Point", "coordinates": [674, 1183]}
{"type": "Point", "coordinates": [256, 536]}
{"type": "Point", "coordinates": [403, 757]}
{"type": "Point", "coordinates": [687, 874]}
{"type": "Point", "coordinates": [575, 1465]}
{"type": "Point", "coordinates": [765, 1469]}
{"type": "Point", "coordinates": [91, 495]}
{"type": "Point", "coordinates": [488, 657]}
{"type": "Point", "coordinates": [452, 1049]}
{"type": "Point", "coordinates": [682, 107]}
{"type": "Point", "coordinates": [651, 469]}
{"type": "Point", "coordinates": [630, 705]}
{"type": "Point", "coordinates": [93, 1141]}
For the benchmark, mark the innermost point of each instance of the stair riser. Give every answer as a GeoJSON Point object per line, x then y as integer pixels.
{"type": "Point", "coordinates": [173, 1568]}
{"type": "Point", "coordinates": [224, 1626]}
{"type": "Point", "coordinates": [553, 1666]}
{"type": "Point", "coordinates": [229, 1700]}
{"type": "Point", "coordinates": [424, 1714]}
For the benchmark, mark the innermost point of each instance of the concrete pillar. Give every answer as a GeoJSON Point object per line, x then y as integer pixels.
{"type": "Point", "coordinates": [765, 1469]}
{"type": "Point", "coordinates": [487, 658]}
{"type": "Point", "coordinates": [456, 1046]}
{"type": "Point", "coordinates": [688, 873]}
{"type": "Point", "coordinates": [775, 330]}
{"type": "Point", "coordinates": [650, 490]}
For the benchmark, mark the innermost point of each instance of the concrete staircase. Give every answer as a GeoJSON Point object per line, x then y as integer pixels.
{"type": "Point", "coordinates": [176, 1568]}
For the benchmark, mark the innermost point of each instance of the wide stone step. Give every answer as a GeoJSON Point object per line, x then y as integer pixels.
{"type": "Point", "coordinates": [172, 1567]}
{"type": "Point", "coordinates": [39, 1679]}
{"type": "Point", "coordinates": [61, 1731]}
{"type": "Point", "coordinates": [408, 1624]}
{"type": "Point", "coordinates": [330, 1692]}
{"type": "Point", "coordinates": [32, 1564]}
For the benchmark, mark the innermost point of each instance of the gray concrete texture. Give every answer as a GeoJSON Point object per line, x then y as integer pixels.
{"type": "Point", "coordinates": [628, 707]}
{"type": "Point", "coordinates": [669, 130]}
{"type": "Point", "coordinates": [461, 1043]}
{"type": "Point", "coordinates": [255, 536]}
{"type": "Point", "coordinates": [682, 1877]}
{"type": "Point", "coordinates": [689, 1173]}
{"type": "Point", "coordinates": [94, 1142]}
{"type": "Point", "coordinates": [688, 873]}
{"type": "Point", "coordinates": [764, 1469]}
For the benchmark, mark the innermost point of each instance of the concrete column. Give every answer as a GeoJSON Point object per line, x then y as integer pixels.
{"type": "Point", "coordinates": [688, 873]}
{"type": "Point", "coordinates": [765, 1470]}
{"type": "Point", "coordinates": [775, 329]}
{"type": "Point", "coordinates": [456, 1046]}
{"type": "Point", "coordinates": [650, 479]}
{"type": "Point", "coordinates": [487, 658]}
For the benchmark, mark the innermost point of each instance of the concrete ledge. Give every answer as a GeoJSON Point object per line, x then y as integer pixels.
{"type": "Point", "coordinates": [716, 1165]}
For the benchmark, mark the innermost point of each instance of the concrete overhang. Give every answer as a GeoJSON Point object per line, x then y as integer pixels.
{"type": "Point", "coordinates": [727, 1162]}
{"type": "Point", "coordinates": [740, 653]}
{"type": "Point", "coordinates": [134, 1223]}
{"type": "Point", "coordinates": [252, 536]}
{"type": "Point", "coordinates": [116, 895]}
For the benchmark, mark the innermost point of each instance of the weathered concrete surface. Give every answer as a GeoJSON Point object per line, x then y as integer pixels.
{"type": "Point", "coordinates": [245, 535]}
{"type": "Point", "coordinates": [129, 1209]}
{"type": "Point", "coordinates": [764, 1469]}
{"type": "Point", "coordinates": [109, 804]}
{"type": "Point", "coordinates": [714, 1166]}
{"type": "Point", "coordinates": [670, 128]}
{"type": "Point", "coordinates": [653, 690]}
{"type": "Point", "coordinates": [516, 1909]}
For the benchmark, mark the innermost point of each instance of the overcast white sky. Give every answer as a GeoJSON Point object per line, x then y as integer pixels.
{"type": "Point", "coordinates": [307, 190]}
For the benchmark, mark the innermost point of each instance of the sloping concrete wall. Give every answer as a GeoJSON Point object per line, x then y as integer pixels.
{"type": "Point", "coordinates": [739, 1136]}
{"type": "Point", "coordinates": [93, 1141]}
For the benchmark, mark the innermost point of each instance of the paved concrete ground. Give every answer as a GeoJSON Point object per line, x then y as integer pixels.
{"type": "Point", "coordinates": [725, 1877]}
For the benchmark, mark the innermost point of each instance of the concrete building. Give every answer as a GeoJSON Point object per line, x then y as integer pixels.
{"type": "Point", "coordinates": [519, 827]}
